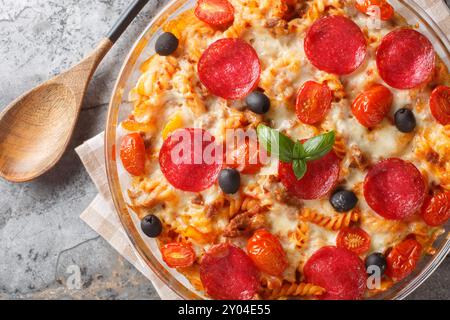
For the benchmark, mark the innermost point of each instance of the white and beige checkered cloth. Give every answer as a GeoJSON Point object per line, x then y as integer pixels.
{"type": "Point", "coordinates": [101, 215]}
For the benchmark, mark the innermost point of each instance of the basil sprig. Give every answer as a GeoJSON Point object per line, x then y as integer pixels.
{"type": "Point", "coordinates": [297, 153]}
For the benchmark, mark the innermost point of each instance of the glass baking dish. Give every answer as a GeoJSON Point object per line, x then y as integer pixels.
{"type": "Point", "coordinates": [119, 109]}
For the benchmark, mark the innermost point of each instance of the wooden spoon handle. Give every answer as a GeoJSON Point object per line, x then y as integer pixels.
{"type": "Point", "coordinates": [86, 68]}
{"type": "Point", "coordinates": [125, 19]}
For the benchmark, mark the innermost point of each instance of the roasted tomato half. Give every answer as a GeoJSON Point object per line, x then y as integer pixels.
{"type": "Point", "coordinates": [217, 13]}
{"type": "Point", "coordinates": [178, 255]}
{"type": "Point", "coordinates": [403, 258]}
{"type": "Point", "coordinates": [371, 106]}
{"type": "Point", "coordinates": [440, 104]}
{"type": "Point", "coordinates": [375, 8]}
{"type": "Point", "coordinates": [266, 253]}
{"type": "Point", "coordinates": [313, 102]}
{"type": "Point", "coordinates": [436, 209]}
{"type": "Point", "coordinates": [132, 154]}
{"type": "Point", "coordinates": [353, 239]}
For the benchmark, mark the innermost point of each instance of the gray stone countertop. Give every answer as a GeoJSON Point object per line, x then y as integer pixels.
{"type": "Point", "coordinates": [41, 234]}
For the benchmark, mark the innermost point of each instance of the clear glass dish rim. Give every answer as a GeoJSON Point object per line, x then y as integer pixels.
{"type": "Point", "coordinates": [143, 250]}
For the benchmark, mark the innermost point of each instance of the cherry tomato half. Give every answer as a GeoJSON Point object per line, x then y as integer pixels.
{"type": "Point", "coordinates": [217, 13]}
{"type": "Point", "coordinates": [436, 209]}
{"type": "Point", "coordinates": [247, 157]}
{"type": "Point", "coordinates": [403, 258]}
{"type": "Point", "coordinates": [178, 255]}
{"type": "Point", "coordinates": [266, 253]}
{"type": "Point", "coordinates": [353, 239]}
{"type": "Point", "coordinates": [313, 102]}
{"type": "Point", "coordinates": [372, 105]}
{"type": "Point", "coordinates": [132, 154]}
{"type": "Point", "coordinates": [375, 7]}
{"type": "Point", "coordinates": [440, 104]}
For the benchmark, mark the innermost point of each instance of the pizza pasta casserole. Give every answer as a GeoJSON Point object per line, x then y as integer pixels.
{"type": "Point", "coordinates": [289, 148]}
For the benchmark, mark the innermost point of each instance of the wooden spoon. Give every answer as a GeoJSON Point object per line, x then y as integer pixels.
{"type": "Point", "coordinates": [36, 128]}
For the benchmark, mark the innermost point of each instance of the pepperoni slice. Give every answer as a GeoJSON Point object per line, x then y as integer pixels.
{"type": "Point", "coordinates": [321, 176]}
{"type": "Point", "coordinates": [405, 59]}
{"type": "Point", "coordinates": [229, 68]}
{"type": "Point", "coordinates": [217, 13]}
{"type": "Point", "coordinates": [394, 189]}
{"type": "Point", "coordinates": [335, 44]}
{"type": "Point", "coordinates": [338, 270]}
{"type": "Point", "coordinates": [227, 273]}
{"type": "Point", "coordinates": [188, 160]}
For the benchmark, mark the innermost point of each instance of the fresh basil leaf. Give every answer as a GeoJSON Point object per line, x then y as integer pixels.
{"type": "Point", "coordinates": [299, 167]}
{"type": "Point", "coordinates": [299, 151]}
{"type": "Point", "coordinates": [276, 143]}
{"type": "Point", "coordinates": [319, 146]}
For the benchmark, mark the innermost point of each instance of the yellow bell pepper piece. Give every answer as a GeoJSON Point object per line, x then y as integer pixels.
{"type": "Point", "coordinates": [199, 237]}
{"type": "Point", "coordinates": [176, 122]}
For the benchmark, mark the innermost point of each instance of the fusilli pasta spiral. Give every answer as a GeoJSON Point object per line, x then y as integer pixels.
{"type": "Point", "coordinates": [334, 223]}
{"type": "Point", "coordinates": [296, 289]}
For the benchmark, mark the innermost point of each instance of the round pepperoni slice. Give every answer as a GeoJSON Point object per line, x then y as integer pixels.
{"type": "Point", "coordinates": [405, 59]}
{"type": "Point", "coordinates": [394, 189]}
{"type": "Point", "coordinates": [335, 44]}
{"type": "Point", "coordinates": [188, 160]}
{"type": "Point", "coordinates": [341, 272]}
{"type": "Point", "coordinates": [321, 176]}
{"type": "Point", "coordinates": [229, 68]}
{"type": "Point", "coordinates": [227, 273]}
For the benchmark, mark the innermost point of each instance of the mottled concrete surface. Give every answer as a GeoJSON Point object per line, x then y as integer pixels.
{"type": "Point", "coordinates": [41, 235]}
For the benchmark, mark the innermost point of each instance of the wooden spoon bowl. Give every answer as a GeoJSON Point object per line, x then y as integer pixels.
{"type": "Point", "coordinates": [36, 128]}
{"type": "Point", "coordinates": [34, 131]}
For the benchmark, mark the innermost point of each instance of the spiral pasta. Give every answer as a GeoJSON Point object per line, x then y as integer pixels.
{"type": "Point", "coordinates": [318, 8]}
{"type": "Point", "coordinates": [339, 147]}
{"type": "Point", "coordinates": [153, 192]}
{"type": "Point", "coordinates": [334, 223]}
{"type": "Point", "coordinates": [300, 236]}
{"type": "Point", "coordinates": [375, 223]}
{"type": "Point", "coordinates": [270, 283]}
{"type": "Point", "coordinates": [427, 238]}
{"type": "Point", "coordinates": [296, 289]}
{"type": "Point", "coordinates": [335, 85]}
